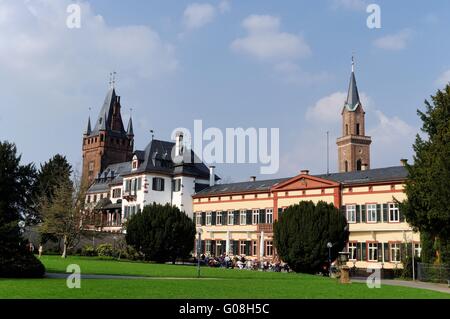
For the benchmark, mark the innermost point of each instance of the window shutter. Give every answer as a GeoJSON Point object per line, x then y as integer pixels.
{"type": "Point", "coordinates": [408, 250]}
{"type": "Point", "coordinates": [224, 218]}
{"type": "Point", "coordinates": [162, 184]}
{"type": "Point", "coordinates": [379, 252]}
{"type": "Point", "coordinates": [236, 217]}
{"type": "Point", "coordinates": [401, 215]}
{"type": "Point", "coordinates": [363, 251]}
{"type": "Point", "coordinates": [378, 215]}
{"type": "Point", "coordinates": [280, 212]}
{"type": "Point", "coordinates": [358, 214]}
{"type": "Point", "coordinates": [139, 183]}
{"type": "Point", "coordinates": [402, 251]}
{"type": "Point", "coordinates": [363, 213]}
{"type": "Point", "coordinates": [203, 218]}
{"type": "Point", "coordinates": [262, 216]}
{"type": "Point", "coordinates": [249, 217]}
{"type": "Point", "coordinates": [154, 183]}
{"type": "Point", "coordinates": [386, 253]}
{"type": "Point", "coordinates": [247, 247]}
{"type": "Point", "coordinates": [213, 247]}
{"type": "Point", "coordinates": [385, 213]}
{"type": "Point", "coordinates": [213, 218]}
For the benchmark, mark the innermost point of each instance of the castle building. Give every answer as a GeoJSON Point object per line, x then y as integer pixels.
{"type": "Point", "coordinates": [237, 218]}
{"type": "Point", "coordinates": [122, 181]}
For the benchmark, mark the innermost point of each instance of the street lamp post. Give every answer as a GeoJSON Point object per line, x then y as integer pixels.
{"type": "Point", "coordinates": [199, 244]}
{"type": "Point", "coordinates": [329, 245]}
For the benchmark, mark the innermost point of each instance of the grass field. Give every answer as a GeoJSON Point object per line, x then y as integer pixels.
{"type": "Point", "coordinates": [224, 283]}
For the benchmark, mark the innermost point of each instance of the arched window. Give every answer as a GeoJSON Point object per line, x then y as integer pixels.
{"type": "Point", "coordinates": [357, 129]}
{"type": "Point", "coordinates": [346, 129]}
{"type": "Point", "coordinates": [358, 165]}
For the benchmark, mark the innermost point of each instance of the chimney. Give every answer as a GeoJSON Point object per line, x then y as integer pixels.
{"type": "Point", "coordinates": [404, 161]}
{"type": "Point", "coordinates": [304, 172]}
{"type": "Point", "coordinates": [364, 167]}
{"type": "Point", "coordinates": [212, 176]}
{"type": "Point", "coordinates": [179, 144]}
{"type": "Point", "coordinates": [252, 178]}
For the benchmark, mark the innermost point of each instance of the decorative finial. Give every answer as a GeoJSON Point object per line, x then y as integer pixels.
{"type": "Point", "coordinates": [153, 135]}
{"type": "Point", "coordinates": [353, 62]}
{"type": "Point", "coordinates": [114, 79]}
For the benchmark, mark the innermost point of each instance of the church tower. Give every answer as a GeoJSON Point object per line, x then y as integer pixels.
{"type": "Point", "coordinates": [107, 142]}
{"type": "Point", "coordinates": [354, 145]}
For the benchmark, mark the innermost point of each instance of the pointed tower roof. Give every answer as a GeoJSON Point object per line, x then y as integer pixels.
{"type": "Point", "coordinates": [130, 131]}
{"type": "Point", "coordinates": [88, 130]}
{"type": "Point", "coordinates": [352, 101]}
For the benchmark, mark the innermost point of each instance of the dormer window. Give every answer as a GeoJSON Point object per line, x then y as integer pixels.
{"type": "Point", "coordinates": [134, 163]}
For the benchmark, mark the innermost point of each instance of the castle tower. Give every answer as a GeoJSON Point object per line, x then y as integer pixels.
{"type": "Point", "coordinates": [108, 142]}
{"type": "Point", "coordinates": [354, 145]}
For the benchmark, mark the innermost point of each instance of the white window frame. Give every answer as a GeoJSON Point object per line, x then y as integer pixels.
{"type": "Point", "coordinates": [242, 246]}
{"type": "Point", "coordinates": [350, 209]}
{"type": "Point", "coordinates": [371, 249]}
{"type": "Point", "coordinates": [219, 219]}
{"type": "Point", "coordinates": [208, 218]}
{"type": "Point", "coordinates": [371, 213]}
{"type": "Point", "coordinates": [417, 249]}
{"type": "Point", "coordinates": [230, 216]}
{"type": "Point", "coordinates": [255, 217]}
{"type": "Point", "coordinates": [269, 215]}
{"type": "Point", "coordinates": [208, 247]}
{"type": "Point", "coordinates": [218, 247]}
{"type": "Point", "coordinates": [198, 218]}
{"type": "Point", "coordinates": [254, 248]}
{"type": "Point", "coordinates": [353, 250]}
{"type": "Point", "coordinates": [394, 250]}
{"type": "Point", "coordinates": [243, 217]}
{"type": "Point", "coordinates": [393, 212]}
{"type": "Point", "coordinates": [269, 246]}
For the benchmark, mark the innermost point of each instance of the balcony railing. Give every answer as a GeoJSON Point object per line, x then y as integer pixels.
{"type": "Point", "coordinates": [267, 228]}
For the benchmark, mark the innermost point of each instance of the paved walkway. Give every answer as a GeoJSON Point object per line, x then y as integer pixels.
{"type": "Point", "coordinates": [64, 276]}
{"type": "Point", "coordinates": [411, 284]}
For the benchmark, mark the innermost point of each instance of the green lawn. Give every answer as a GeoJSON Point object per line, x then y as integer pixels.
{"type": "Point", "coordinates": [228, 284]}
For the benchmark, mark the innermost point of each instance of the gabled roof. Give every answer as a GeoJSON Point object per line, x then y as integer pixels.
{"type": "Point", "coordinates": [117, 171]}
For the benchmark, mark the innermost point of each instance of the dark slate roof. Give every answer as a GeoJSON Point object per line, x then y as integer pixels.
{"type": "Point", "coordinates": [88, 129]}
{"type": "Point", "coordinates": [106, 112]}
{"type": "Point", "coordinates": [113, 174]}
{"type": "Point", "coordinates": [352, 101]}
{"type": "Point", "coordinates": [130, 127]}
{"type": "Point", "coordinates": [157, 157]}
{"type": "Point", "coordinates": [369, 176]}
{"type": "Point", "coordinates": [256, 186]}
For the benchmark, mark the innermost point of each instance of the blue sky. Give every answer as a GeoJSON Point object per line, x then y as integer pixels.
{"type": "Point", "coordinates": [282, 64]}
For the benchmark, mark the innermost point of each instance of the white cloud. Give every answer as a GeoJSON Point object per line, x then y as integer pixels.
{"type": "Point", "coordinates": [266, 42]}
{"type": "Point", "coordinates": [328, 109]}
{"type": "Point", "coordinates": [39, 43]}
{"type": "Point", "coordinates": [51, 74]}
{"type": "Point", "coordinates": [356, 5]}
{"type": "Point", "coordinates": [224, 6]}
{"type": "Point", "coordinates": [391, 136]}
{"type": "Point", "coordinates": [443, 79]}
{"type": "Point", "coordinates": [394, 42]}
{"type": "Point", "coordinates": [292, 73]}
{"type": "Point", "coordinates": [197, 15]}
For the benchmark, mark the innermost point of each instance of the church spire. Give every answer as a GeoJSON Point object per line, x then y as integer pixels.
{"type": "Point", "coordinates": [130, 127]}
{"type": "Point", "coordinates": [352, 101]}
{"type": "Point", "coordinates": [89, 130]}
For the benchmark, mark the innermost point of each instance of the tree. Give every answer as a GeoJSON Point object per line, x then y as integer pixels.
{"type": "Point", "coordinates": [16, 191]}
{"type": "Point", "coordinates": [427, 207]}
{"type": "Point", "coordinates": [51, 174]}
{"type": "Point", "coordinates": [63, 214]}
{"type": "Point", "coordinates": [161, 233]}
{"type": "Point", "coordinates": [302, 232]}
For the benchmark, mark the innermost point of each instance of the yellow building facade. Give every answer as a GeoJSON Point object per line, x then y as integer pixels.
{"type": "Point", "coordinates": [237, 219]}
